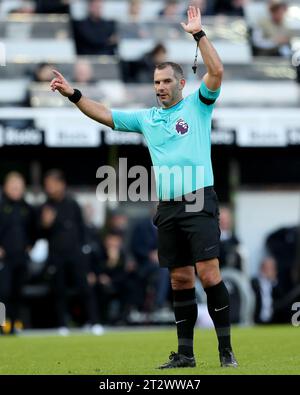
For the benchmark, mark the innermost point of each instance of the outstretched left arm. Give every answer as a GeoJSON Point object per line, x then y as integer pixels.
{"type": "Point", "coordinates": [212, 61]}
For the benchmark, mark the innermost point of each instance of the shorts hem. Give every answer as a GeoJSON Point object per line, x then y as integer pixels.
{"type": "Point", "coordinates": [174, 266]}
{"type": "Point", "coordinates": [199, 258]}
{"type": "Point", "coordinates": [206, 257]}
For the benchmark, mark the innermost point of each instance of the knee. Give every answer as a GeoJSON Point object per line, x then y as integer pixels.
{"type": "Point", "coordinates": [180, 281]}
{"type": "Point", "coordinates": [209, 277]}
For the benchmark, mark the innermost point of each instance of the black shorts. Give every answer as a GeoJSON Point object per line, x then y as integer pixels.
{"type": "Point", "coordinates": [185, 238]}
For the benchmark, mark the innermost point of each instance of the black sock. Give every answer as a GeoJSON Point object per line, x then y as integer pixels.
{"type": "Point", "coordinates": [219, 309]}
{"type": "Point", "coordinates": [186, 312]}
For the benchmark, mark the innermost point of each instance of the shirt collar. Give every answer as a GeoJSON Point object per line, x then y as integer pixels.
{"type": "Point", "coordinates": [172, 108]}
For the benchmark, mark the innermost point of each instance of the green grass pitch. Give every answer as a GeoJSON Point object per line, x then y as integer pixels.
{"type": "Point", "coordinates": [259, 350]}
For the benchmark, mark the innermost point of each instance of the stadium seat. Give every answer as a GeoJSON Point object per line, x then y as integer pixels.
{"type": "Point", "coordinates": [39, 50]}
{"type": "Point", "coordinates": [13, 91]}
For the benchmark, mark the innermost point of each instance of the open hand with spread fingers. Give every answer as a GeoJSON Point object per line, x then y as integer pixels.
{"type": "Point", "coordinates": [60, 84]}
{"type": "Point", "coordinates": [194, 24]}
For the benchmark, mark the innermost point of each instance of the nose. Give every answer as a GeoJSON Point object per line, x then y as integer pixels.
{"type": "Point", "coordinates": [161, 85]}
{"type": "Point", "coordinates": [161, 88]}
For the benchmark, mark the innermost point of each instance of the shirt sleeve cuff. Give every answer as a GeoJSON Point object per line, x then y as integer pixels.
{"type": "Point", "coordinates": [209, 94]}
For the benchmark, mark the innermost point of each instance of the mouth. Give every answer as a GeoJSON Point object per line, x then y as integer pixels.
{"type": "Point", "coordinates": [163, 96]}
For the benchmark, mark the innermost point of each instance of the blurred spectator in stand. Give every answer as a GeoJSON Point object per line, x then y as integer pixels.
{"type": "Point", "coordinates": [94, 251]}
{"type": "Point", "coordinates": [61, 223]}
{"type": "Point", "coordinates": [42, 74]}
{"type": "Point", "coordinates": [141, 71]}
{"type": "Point", "coordinates": [17, 237]}
{"type": "Point", "coordinates": [282, 244]}
{"type": "Point", "coordinates": [95, 35]}
{"type": "Point", "coordinates": [171, 12]}
{"type": "Point", "coordinates": [134, 26]}
{"type": "Point", "coordinates": [26, 7]}
{"type": "Point", "coordinates": [117, 221]}
{"type": "Point", "coordinates": [93, 248]}
{"type": "Point", "coordinates": [52, 6]}
{"type": "Point", "coordinates": [134, 10]}
{"type": "Point", "coordinates": [148, 62]}
{"type": "Point", "coordinates": [230, 258]}
{"type": "Point", "coordinates": [153, 279]}
{"type": "Point", "coordinates": [230, 7]}
{"type": "Point", "coordinates": [229, 245]}
{"type": "Point", "coordinates": [206, 6]}
{"type": "Point", "coordinates": [83, 72]}
{"type": "Point", "coordinates": [111, 281]}
{"type": "Point", "coordinates": [266, 291]}
{"type": "Point", "coordinates": [271, 37]}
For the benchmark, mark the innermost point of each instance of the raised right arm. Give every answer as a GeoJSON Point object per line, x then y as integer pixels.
{"type": "Point", "coordinates": [94, 110]}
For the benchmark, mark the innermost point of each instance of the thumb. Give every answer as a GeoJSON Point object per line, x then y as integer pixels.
{"type": "Point", "coordinates": [183, 25]}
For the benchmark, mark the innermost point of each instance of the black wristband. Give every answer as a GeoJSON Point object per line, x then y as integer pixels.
{"type": "Point", "coordinates": [199, 35]}
{"type": "Point", "coordinates": [77, 95]}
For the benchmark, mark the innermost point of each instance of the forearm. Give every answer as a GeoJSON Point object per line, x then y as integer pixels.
{"type": "Point", "coordinates": [95, 111]}
{"type": "Point", "coordinates": [210, 57]}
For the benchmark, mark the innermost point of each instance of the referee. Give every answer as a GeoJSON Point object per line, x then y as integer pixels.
{"type": "Point", "coordinates": [178, 134]}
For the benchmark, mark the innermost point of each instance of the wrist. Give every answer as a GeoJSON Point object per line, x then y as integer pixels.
{"type": "Point", "coordinates": [197, 31]}
{"type": "Point", "coordinates": [198, 35]}
{"type": "Point", "coordinates": [76, 96]}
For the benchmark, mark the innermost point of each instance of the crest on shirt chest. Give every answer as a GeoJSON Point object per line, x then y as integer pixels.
{"type": "Point", "coordinates": [181, 126]}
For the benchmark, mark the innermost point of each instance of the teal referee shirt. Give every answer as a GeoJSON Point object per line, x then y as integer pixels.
{"type": "Point", "coordinates": [178, 139]}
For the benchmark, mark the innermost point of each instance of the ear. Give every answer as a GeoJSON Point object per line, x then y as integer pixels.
{"type": "Point", "coordinates": [182, 83]}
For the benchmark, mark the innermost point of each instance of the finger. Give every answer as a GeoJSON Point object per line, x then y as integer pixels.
{"type": "Point", "coordinates": [198, 13]}
{"type": "Point", "coordinates": [52, 86]}
{"type": "Point", "coordinates": [189, 15]}
{"type": "Point", "coordinates": [54, 81]}
{"type": "Point", "coordinates": [60, 84]}
{"type": "Point", "coordinates": [57, 73]}
{"type": "Point", "coordinates": [57, 86]}
{"type": "Point", "coordinates": [190, 12]}
{"type": "Point", "coordinates": [194, 14]}
{"type": "Point", "coordinates": [60, 89]}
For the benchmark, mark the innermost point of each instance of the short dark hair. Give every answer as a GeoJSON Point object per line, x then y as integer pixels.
{"type": "Point", "coordinates": [158, 48]}
{"type": "Point", "coordinates": [56, 174]}
{"type": "Point", "coordinates": [178, 72]}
